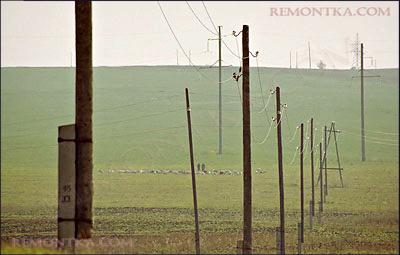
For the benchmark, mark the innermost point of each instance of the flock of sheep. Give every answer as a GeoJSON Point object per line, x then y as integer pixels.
{"type": "Point", "coordinates": [202, 172]}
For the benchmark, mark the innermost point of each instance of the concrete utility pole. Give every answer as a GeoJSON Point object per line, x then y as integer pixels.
{"type": "Point", "coordinates": [309, 55]}
{"type": "Point", "coordinates": [220, 90]}
{"type": "Point", "coordinates": [280, 170]}
{"type": "Point", "coordinates": [247, 200]}
{"type": "Point", "coordinates": [362, 106]}
{"type": "Point", "coordinates": [196, 214]}
{"type": "Point", "coordinates": [83, 119]}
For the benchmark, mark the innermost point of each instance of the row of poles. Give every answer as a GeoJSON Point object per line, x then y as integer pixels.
{"type": "Point", "coordinates": [246, 244]}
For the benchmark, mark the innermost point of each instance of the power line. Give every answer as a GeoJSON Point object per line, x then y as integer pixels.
{"type": "Point", "coordinates": [208, 14]}
{"type": "Point", "coordinates": [176, 39]}
{"type": "Point", "coordinates": [199, 19]}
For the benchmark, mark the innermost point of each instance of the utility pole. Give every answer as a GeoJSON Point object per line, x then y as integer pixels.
{"type": "Point", "coordinates": [325, 159]}
{"type": "Point", "coordinates": [309, 55]}
{"type": "Point", "coordinates": [280, 170]}
{"type": "Point", "coordinates": [302, 181]}
{"type": "Point", "coordinates": [177, 57]}
{"type": "Point", "coordinates": [296, 59]}
{"type": "Point", "coordinates": [321, 195]}
{"type": "Point", "coordinates": [247, 200]}
{"type": "Point", "coordinates": [83, 119]}
{"type": "Point", "coordinates": [312, 167]}
{"type": "Point", "coordinates": [362, 105]}
{"type": "Point", "coordinates": [290, 59]}
{"type": "Point", "coordinates": [196, 215]}
{"type": "Point", "coordinates": [190, 57]}
{"type": "Point", "coordinates": [220, 90]}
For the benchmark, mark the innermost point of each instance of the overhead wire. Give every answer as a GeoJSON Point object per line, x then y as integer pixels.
{"type": "Point", "coordinates": [176, 39]}
{"type": "Point", "coordinates": [199, 19]}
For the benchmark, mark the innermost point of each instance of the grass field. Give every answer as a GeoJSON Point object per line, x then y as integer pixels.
{"type": "Point", "coordinates": [140, 123]}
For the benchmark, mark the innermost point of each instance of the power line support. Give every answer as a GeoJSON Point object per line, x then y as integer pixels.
{"type": "Point", "coordinates": [363, 158]}
{"type": "Point", "coordinates": [83, 119]}
{"type": "Point", "coordinates": [312, 167]}
{"type": "Point", "coordinates": [321, 194]}
{"type": "Point", "coordinates": [325, 162]}
{"type": "Point", "coordinates": [301, 182]}
{"type": "Point", "coordinates": [247, 197]}
{"type": "Point", "coordinates": [290, 59]}
{"type": "Point", "coordinates": [196, 215]}
{"type": "Point", "coordinates": [280, 170]}
{"type": "Point", "coordinates": [220, 89]}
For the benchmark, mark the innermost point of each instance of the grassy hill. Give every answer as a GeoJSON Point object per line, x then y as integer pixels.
{"type": "Point", "coordinates": [140, 123]}
{"type": "Point", "coordinates": [140, 118]}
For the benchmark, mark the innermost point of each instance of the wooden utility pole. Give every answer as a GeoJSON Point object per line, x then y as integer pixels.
{"type": "Point", "coordinates": [309, 55]}
{"type": "Point", "coordinates": [362, 106]}
{"type": "Point", "coordinates": [83, 119]}
{"type": "Point", "coordinates": [280, 170]}
{"type": "Point", "coordinates": [220, 89]}
{"type": "Point", "coordinates": [247, 199]}
{"type": "Point", "coordinates": [196, 215]}
{"type": "Point", "coordinates": [321, 195]}
{"type": "Point", "coordinates": [325, 159]}
{"type": "Point", "coordinates": [302, 181]}
{"type": "Point", "coordinates": [312, 167]}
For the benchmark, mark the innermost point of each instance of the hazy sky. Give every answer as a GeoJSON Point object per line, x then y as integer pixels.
{"type": "Point", "coordinates": [135, 33]}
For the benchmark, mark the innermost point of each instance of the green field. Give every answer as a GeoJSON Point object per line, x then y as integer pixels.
{"type": "Point", "coordinates": [140, 123]}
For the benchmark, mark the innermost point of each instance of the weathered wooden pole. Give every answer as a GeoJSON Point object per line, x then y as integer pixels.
{"type": "Point", "coordinates": [302, 182]}
{"type": "Point", "coordinates": [280, 170]}
{"type": "Point", "coordinates": [312, 167]}
{"type": "Point", "coordinates": [325, 162]}
{"type": "Point", "coordinates": [83, 119]}
{"type": "Point", "coordinates": [321, 180]}
{"type": "Point", "coordinates": [196, 214]}
{"type": "Point", "coordinates": [247, 197]}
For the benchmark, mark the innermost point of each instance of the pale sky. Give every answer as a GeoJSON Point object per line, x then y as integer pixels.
{"type": "Point", "coordinates": [135, 33]}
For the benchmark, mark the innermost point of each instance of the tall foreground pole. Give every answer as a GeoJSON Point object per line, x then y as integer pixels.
{"type": "Point", "coordinates": [280, 170]}
{"type": "Point", "coordinates": [247, 210]}
{"type": "Point", "coordinates": [196, 215]}
{"type": "Point", "coordinates": [220, 91]}
{"type": "Point", "coordinates": [83, 119]}
{"type": "Point", "coordinates": [312, 167]}
{"type": "Point", "coordinates": [302, 181]}
{"type": "Point", "coordinates": [362, 105]}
